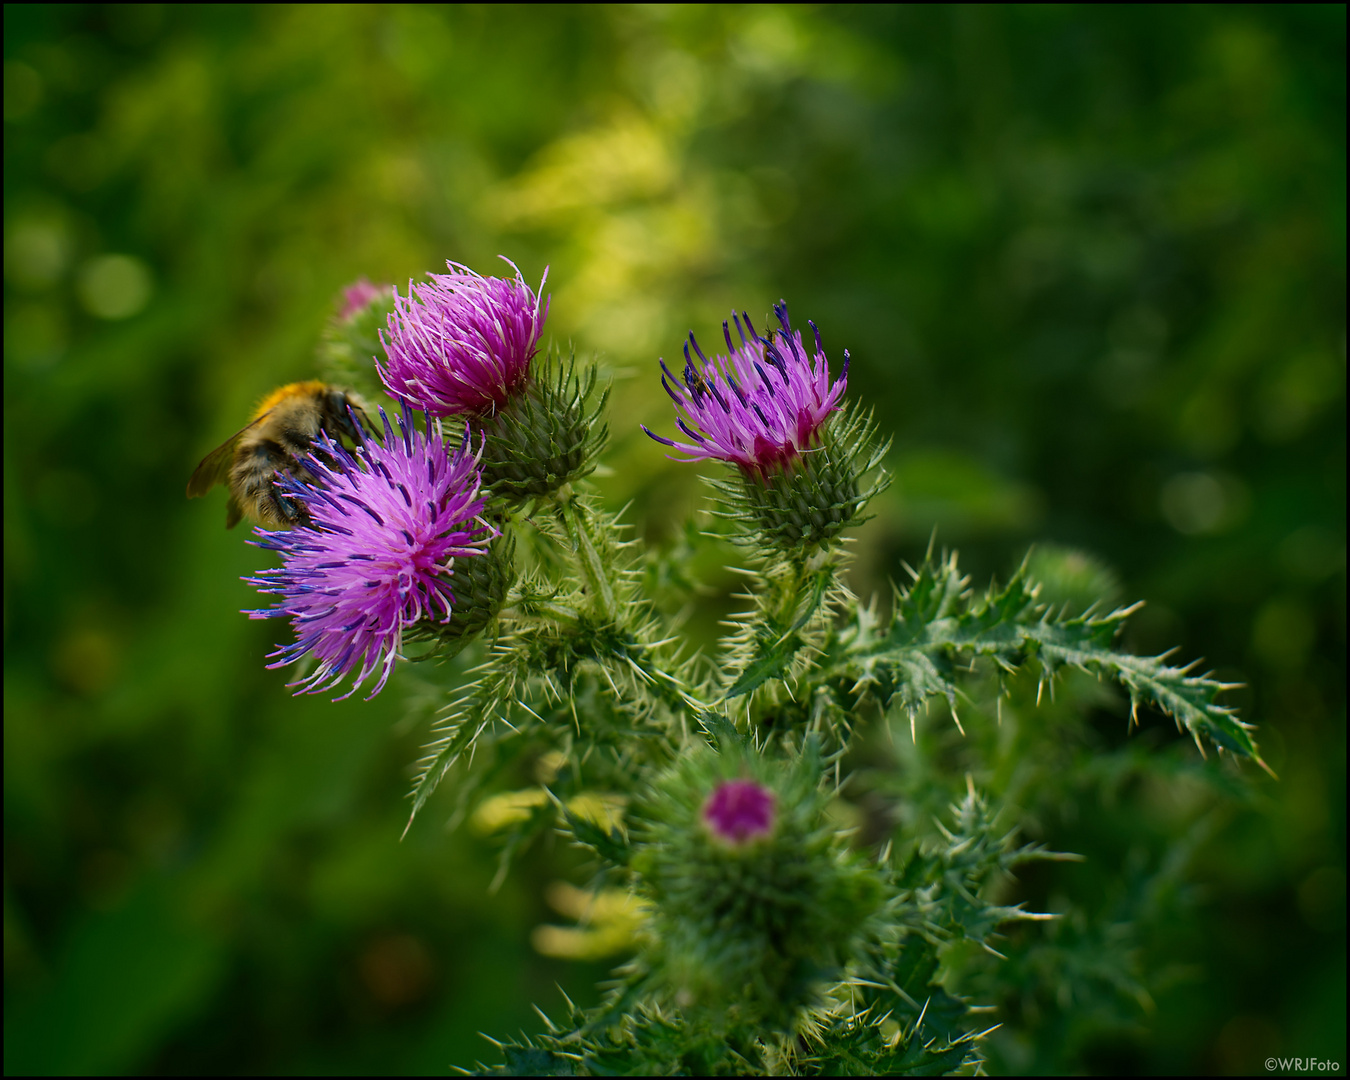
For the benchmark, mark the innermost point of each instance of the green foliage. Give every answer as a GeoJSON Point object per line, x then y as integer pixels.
{"type": "Point", "coordinates": [790, 602]}
{"type": "Point", "coordinates": [1090, 265]}
{"type": "Point", "coordinates": [891, 1016]}
{"type": "Point", "coordinates": [649, 1043]}
{"type": "Point", "coordinates": [609, 844]}
{"type": "Point", "coordinates": [938, 626]}
{"type": "Point", "coordinates": [859, 1047]}
{"type": "Point", "coordinates": [555, 642]}
{"type": "Point", "coordinates": [787, 951]}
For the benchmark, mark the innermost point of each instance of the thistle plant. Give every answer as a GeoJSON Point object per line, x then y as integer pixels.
{"type": "Point", "coordinates": [772, 933]}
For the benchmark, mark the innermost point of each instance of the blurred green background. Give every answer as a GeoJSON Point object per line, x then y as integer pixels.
{"type": "Point", "coordinates": [1089, 263]}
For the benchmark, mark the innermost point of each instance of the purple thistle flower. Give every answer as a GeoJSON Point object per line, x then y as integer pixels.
{"type": "Point", "coordinates": [760, 406]}
{"type": "Point", "coordinates": [386, 525]}
{"type": "Point", "coordinates": [739, 810]}
{"type": "Point", "coordinates": [360, 293]}
{"type": "Point", "coordinates": [463, 342]}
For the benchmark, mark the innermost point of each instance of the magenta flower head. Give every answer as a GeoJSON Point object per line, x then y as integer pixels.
{"type": "Point", "coordinates": [386, 523]}
{"type": "Point", "coordinates": [357, 295]}
{"type": "Point", "coordinates": [759, 407]}
{"type": "Point", "coordinates": [739, 810]}
{"type": "Point", "coordinates": [463, 342]}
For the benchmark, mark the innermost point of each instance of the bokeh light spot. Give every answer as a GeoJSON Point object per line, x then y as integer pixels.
{"type": "Point", "coordinates": [114, 286]}
{"type": "Point", "coordinates": [23, 89]}
{"type": "Point", "coordinates": [37, 252]}
{"type": "Point", "coordinates": [1203, 503]}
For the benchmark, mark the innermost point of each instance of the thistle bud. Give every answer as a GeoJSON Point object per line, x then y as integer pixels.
{"type": "Point", "coordinates": [545, 435]}
{"type": "Point", "coordinates": [756, 901]}
{"type": "Point", "coordinates": [480, 587]}
{"type": "Point", "coordinates": [350, 345]}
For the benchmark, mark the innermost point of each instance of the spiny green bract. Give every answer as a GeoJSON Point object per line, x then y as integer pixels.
{"type": "Point", "coordinates": [750, 931]}
{"type": "Point", "coordinates": [480, 588]}
{"type": "Point", "coordinates": [545, 436]}
{"type": "Point", "coordinates": [806, 503]}
{"type": "Point", "coordinates": [650, 1041]}
{"type": "Point", "coordinates": [348, 347]}
{"type": "Point", "coordinates": [939, 625]}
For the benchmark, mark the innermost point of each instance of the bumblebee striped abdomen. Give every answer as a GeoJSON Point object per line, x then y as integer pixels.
{"type": "Point", "coordinates": [285, 427]}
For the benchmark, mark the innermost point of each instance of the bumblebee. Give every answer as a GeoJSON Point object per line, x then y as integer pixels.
{"type": "Point", "coordinates": [284, 427]}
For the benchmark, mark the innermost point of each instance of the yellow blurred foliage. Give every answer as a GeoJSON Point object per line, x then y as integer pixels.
{"type": "Point", "coordinates": [509, 807]}
{"type": "Point", "coordinates": [610, 920]}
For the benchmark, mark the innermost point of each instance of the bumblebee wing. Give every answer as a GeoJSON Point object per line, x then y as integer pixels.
{"type": "Point", "coordinates": [215, 467]}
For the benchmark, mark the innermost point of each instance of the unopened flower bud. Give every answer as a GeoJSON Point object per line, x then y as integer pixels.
{"type": "Point", "coordinates": [544, 436]}
{"type": "Point", "coordinates": [359, 295]}
{"type": "Point", "coordinates": [739, 811]}
{"type": "Point", "coordinates": [756, 901]}
{"type": "Point", "coordinates": [350, 347]}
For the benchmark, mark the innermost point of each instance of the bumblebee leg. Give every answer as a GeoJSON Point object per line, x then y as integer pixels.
{"type": "Point", "coordinates": [286, 508]}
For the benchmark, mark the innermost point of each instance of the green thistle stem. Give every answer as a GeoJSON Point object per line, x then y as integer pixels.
{"type": "Point", "coordinates": [790, 594]}
{"type": "Point", "coordinates": [587, 543]}
{"type": "Point", "coordinates": [560, 613]}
